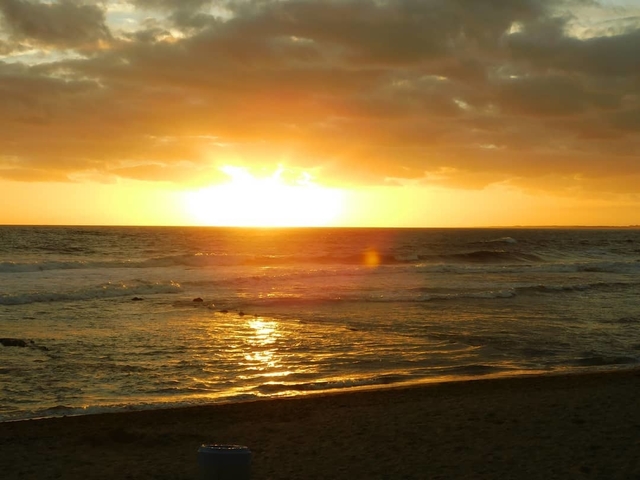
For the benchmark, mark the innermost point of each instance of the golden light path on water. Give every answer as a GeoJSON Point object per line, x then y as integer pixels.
{"type": "Point", "coordinates": [264, 356]}
{"type": "Point", "coordinates": [259, 348]}
{"type": "Point", "coordinates": [274, 357]}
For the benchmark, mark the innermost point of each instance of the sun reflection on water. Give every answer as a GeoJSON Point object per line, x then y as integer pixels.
{"type": "Point", "coordinates": [265, 331]}
{"type": "Point", "coordinates": [264, 356]}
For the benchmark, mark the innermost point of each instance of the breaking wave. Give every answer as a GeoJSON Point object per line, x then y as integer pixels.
{"type": "Point", "coordinates": [273, 388]}
{"type": "Point", "coordinates": [107, 290]}
{"type": "Point", "coordinates": [203, 260]}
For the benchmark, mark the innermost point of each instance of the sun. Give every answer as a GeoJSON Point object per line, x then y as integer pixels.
{"type": "Point", "coordinates": [250, 201]}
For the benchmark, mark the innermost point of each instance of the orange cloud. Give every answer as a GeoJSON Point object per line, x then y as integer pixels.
{"type": "Point", "coordinates": [359, 92]}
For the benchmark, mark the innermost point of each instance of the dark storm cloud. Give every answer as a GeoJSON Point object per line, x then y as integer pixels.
{"type": "Point", "coordinates": [171, 5]}
{"type": "Point", "coordinates": [459, 92]}
{"type": "Point", "coordinates": [65, 24]}
{"type": "Point", "coordinates": [551, 95]}
{"type": "Point", "coordinates": [187, 14]}
{"type": "Point", "coordinates": [546, 48]}
{"type": "Point", "coordinates": [398, 32]}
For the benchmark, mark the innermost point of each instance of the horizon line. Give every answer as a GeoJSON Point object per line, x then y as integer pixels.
{"type": "Point", "coordinates": [318, 227]}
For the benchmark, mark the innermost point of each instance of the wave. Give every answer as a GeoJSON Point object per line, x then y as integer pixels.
{"type": "Point", "coordinates": [203, 260]}
{"type": "Point", "coordinates": [494, 241]}
{"type": "Point", "coordinates": [71, 410]}
{"type": "Point", "coordinates": [443, 262]}
{"type": "Point", "coordinates": [623, 320]}
{"type": "Point", "coordinates": [529, 290]}
{"type": "Point", "coordinates": [479, 256]}
{"type": "Point", "coordinates": [542, 267]}
{"type": "Point", "coordinates": [503, 240]}
{"type": "Point", "coordinates": [190, 260]}
{"type": "Point", "coordinates": [422, 295]}
{"type": "Point", "coordinates": [273, 388]}
{"type": "Point", "coordinates": [489, 256]}
{"type": "Point", "coordinates": [578, 287]}
{"type": "Point", "coordinates": [481, 262]}
{"type": "Point", "coordinates": [609, 267]}
{"type": "Point", "coordinates": [319, 299]}
{"type": "Point", "coordinates": [473, 370]}
{"type": "Point", "coordinates": [17, 267]}
{"type": "Point", "coordinates": [106, 290]}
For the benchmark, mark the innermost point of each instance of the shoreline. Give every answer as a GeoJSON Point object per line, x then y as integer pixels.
{"type": "Point", "coordinates": [222, 400]}
{"type": "Point", "coordinates": [574, 425]}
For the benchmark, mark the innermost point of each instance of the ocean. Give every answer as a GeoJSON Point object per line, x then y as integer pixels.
{"type": "Point", "coordinates": [97, 319]}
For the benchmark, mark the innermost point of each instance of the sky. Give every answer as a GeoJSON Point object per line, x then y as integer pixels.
{"type": "Point", "coordinates": [399, 113]}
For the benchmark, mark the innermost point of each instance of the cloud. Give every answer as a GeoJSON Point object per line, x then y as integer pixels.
{"type": "Point", "coordinates": [551, 95]}
{"type": "Point", "coordinates": [171, 5]}
{"type": "Point", "coordinates": [547, 48]}
{"type": "Point", "coordinates": [65, 24]}
{"type": "Point", "coordinates": [454, 92]}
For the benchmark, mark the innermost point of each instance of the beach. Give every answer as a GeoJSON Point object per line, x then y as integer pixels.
{"type": "Point", "coordinates": [527, 427]}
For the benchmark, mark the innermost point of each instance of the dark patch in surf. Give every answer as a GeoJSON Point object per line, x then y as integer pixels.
{"type": "Point", "coordinates": [601, 361]}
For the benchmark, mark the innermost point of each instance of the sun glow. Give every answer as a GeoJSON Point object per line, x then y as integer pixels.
{"type": "Point", "coordinates": [249, 201]}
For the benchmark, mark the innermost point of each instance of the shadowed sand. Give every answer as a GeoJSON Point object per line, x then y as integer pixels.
{"type": "Point", "coordinates": [577, 426]}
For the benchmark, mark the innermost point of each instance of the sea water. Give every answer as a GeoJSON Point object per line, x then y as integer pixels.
{"type": "Point", "coordinates": [126, 318]}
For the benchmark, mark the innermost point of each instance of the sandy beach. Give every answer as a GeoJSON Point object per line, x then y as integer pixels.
{"type": "Point", "coordinates": [533, 427]}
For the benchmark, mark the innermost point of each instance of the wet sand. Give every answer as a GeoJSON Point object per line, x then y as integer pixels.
{"type": "Point", "coordinates": [534, 427]}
